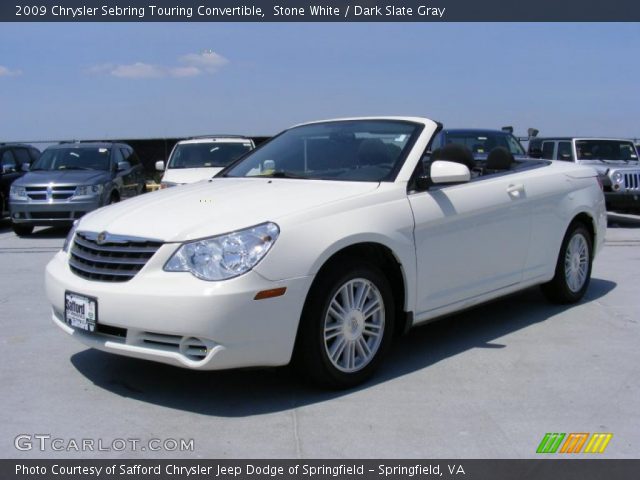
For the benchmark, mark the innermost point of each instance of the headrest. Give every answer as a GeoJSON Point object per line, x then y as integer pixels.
{"type": "Point", "coordinates": [499, 159]}
{"type": "Point", "coordinates": [454, 152]}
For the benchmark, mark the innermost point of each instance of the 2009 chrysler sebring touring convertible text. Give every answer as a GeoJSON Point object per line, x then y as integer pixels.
{"type": "Point", "coordinates": [319, 246]}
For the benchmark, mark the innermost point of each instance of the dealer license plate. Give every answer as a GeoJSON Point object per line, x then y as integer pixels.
{"type": "Point", "coordinates": [80, 311]}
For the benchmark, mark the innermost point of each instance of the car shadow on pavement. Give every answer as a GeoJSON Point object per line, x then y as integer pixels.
{"type": "Point", "coordinates": [239, 393]}
{"type": "Point", "coordinates": [5, 226]}
{"type": "Point", "coordinates": [622, 221]}
{"type": "Point", "coordinates": [42, 232]}
{"type": "Point", "coordinates": [50, 232]}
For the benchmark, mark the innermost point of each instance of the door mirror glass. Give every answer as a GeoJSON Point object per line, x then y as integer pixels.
{"type": "Point", "coordinates": [123, 166]}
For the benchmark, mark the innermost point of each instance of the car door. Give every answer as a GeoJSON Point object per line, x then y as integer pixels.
{"type": "Point", "coordinates": [470, 239]}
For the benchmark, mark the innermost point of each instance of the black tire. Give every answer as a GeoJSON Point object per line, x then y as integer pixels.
{"type": "Point", "coordinates": [22, 230]}
{"type": "Point", "coordinates": [558, 289]}
{"type": "Point", "coordinates": [113, 199]}
{"type": "Point", "coordinates": [311, 353]}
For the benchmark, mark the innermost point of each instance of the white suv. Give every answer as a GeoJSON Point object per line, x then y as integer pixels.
{"type": "Point", "coordinates": [200, 158]}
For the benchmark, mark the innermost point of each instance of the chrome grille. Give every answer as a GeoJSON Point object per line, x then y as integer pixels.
{"type": "Point", "coordinates": [112, 259]}
{"type": "Point", "coordinates": [632, 181]}
{"type": "Point", "coordinates": [50, 193]}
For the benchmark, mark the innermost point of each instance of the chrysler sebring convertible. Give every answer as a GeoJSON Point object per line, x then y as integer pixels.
{"type": "Point", "coordinates": [320, 246]}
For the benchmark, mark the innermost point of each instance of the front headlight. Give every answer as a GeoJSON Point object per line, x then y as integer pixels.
{"type": "Point", "coordinates": [18, 193]}
{"type": "Point", "coordinates": [616, 177]}
{"type": "Point", "coordinates": [224, 256]}
{"type": "Point", "coordinates": [69, 239]}
{"type": "Point", "coordinates": [88, 190]}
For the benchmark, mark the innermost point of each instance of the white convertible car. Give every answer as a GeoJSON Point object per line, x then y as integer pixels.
{"type": "Point", "coordinates": [320, 246]}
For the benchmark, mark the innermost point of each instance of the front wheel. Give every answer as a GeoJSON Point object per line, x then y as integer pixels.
{"type": "Point", "coordinates": [573, 268]}
{"type": "Point", "coordinates": [346, 325]}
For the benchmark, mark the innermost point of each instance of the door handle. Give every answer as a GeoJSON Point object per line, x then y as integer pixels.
{"type": "Point", "coordinates": [516, 191]}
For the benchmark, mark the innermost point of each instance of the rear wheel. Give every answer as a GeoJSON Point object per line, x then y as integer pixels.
{"type": "Point", "coordinates": [573, 268]}
{"type": "Point", "coordinates": [22, 230]}
{"type": "Point", "coordinates": [346, 325]}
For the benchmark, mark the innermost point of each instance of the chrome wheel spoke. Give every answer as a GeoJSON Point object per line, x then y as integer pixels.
{"type": "Point", "coordinates": [371, 308]}
{"type": "Point", "coordinates": [337, 348]}
{"type": "Point", "coordinates": [363, 294]}
{"type": "Point", "coordinates": [371, 329]}
{"type": "Point", "coordinates": [337, 311]}
{"type": "Point", "coordinates": [363, 347]}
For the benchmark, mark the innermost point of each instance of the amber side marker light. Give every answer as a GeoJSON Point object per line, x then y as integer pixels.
{"type": "Point", "coordinates": [274, 292]}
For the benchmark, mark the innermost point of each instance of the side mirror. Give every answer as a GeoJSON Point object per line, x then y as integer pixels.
{"type": "Point", "coordinates": [8, 168]}
{"type": "Point", "coordinates": [160, 165]}
{"type": "Point", "coordinates": [443, 172]}
{"type": "Point", "coordinates": [26, 167]}
{"type": "Point", "coordinates": [123, 166]}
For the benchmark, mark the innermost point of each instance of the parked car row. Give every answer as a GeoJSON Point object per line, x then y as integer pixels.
{"type": "Point", "coordinates": [71, 179]}
{"type": "Point", "coordinates": [615, 160]}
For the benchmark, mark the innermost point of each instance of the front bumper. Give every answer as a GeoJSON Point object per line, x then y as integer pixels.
{"type": "Point", "coordinates": [160, 316]}
{"type": "Point", "coordinates": [42, 213]}
{"type": "Point", "coordinates": [628, 201]}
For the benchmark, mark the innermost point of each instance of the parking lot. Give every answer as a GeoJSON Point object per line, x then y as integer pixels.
{"type": "Point", "coordinates": [488, 383]}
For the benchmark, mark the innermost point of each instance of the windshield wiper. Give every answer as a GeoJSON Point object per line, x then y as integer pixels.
{"type": "Point", "coordinates": [75, 168]}
{"type": "Point", "coordinates": [282, 174]}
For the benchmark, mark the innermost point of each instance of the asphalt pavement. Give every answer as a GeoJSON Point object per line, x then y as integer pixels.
{"type": "Point", "coordinates": [486, 383]}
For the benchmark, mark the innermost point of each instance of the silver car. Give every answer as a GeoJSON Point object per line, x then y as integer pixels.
{"type": "Point", "coordinates": [71, 179]}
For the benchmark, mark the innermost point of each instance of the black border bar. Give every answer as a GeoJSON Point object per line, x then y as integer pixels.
{"type": "Point", "coordinates": [340, 11]}
{"type": "Point", "coordinates": [547, 469]}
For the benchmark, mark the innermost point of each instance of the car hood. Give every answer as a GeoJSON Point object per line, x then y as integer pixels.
{"type": "Point", "coordinates": [63, 177]}
{"type": "Point", "coordinates": [189, 175]}
{"type": "Point", "coordinates": [217, 206]}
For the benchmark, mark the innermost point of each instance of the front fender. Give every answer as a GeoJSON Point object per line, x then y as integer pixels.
{"type": "Point", "coordinates": [305, 244]}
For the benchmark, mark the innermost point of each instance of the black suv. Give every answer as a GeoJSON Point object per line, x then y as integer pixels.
{"type": "Point", "coordinates": [71, 179]}
{"type": "Point", "coordinates": [15, 160]}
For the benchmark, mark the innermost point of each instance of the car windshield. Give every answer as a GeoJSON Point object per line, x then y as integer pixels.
{"type": "Point", "coordinates": [74, 158]}
{"type": "Point", "coordinates": [357, 150]}
{"type": "Point", "coordinates": [484, 142]}
{"type": "Point", "coordinates": [620, 150]}
{"type": "Point", "coordinates": [209, 154]}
